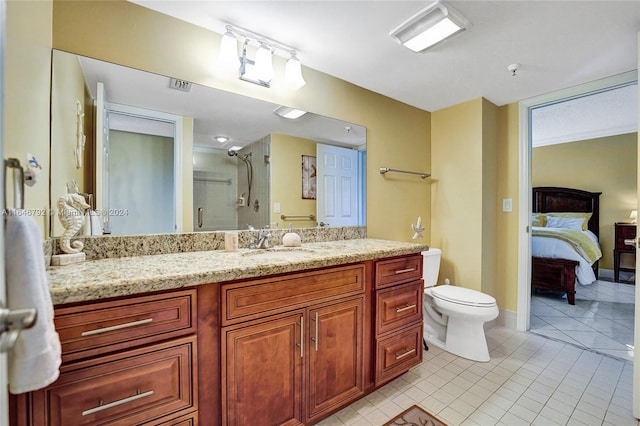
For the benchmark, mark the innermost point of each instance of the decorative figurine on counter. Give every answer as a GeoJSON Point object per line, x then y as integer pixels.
{"type": "Point", "coordinates": [417, 229]}
{"type": "Point", "coordinates": [71, 209]}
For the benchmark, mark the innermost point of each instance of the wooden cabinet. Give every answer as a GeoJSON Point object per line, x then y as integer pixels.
{"type": "Point", "coordinates": [398, 316]}
{"type": "Point", "coordinates": [125, 362]}
{"type": "Point", "coordinates": [623, 231]}
{"type": "Point", "coordinates": [299, 366]}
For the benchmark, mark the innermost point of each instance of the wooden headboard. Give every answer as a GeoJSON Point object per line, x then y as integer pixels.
{"type": "Point", "coordinates": [554, 199]}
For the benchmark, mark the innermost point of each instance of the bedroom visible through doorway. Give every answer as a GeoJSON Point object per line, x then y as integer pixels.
{"type": "Point", "coordinates": [573, 148]}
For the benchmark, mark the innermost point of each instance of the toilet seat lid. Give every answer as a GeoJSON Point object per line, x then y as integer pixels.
{"type": "Point", "coordinates": [462, 296]}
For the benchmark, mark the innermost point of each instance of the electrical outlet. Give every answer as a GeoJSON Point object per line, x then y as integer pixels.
{"type": "Point", "coordinates": [276, 207]}
{"type": "Point", "coordinates": [507, 204]}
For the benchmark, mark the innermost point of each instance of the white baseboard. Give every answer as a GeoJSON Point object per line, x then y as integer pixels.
{"type": "Point", "coordinates": [506, 319]}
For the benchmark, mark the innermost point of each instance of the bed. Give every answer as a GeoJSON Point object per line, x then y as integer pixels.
{"type": "Point", "coordinates": [554, 264]}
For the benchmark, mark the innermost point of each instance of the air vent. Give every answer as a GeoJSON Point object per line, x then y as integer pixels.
{"type": "Point", "coordinates": [183, 85]}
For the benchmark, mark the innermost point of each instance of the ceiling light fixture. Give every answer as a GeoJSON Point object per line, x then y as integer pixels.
{"type": "Point", "coordinates": [430, 26]}
{"type": "Point", "coordinates": [221, 139]}
{"type": "Point", "coordinates": [288, 112]}
{"type": "Point", "coordinates": [260, 69]}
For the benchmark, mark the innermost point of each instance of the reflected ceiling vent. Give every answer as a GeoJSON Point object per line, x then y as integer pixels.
{"type": "Point", "coordinates": [182, 85]}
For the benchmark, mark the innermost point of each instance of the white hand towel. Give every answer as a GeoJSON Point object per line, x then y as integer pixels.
{"type": "Point", "coordinates": [35, 359]}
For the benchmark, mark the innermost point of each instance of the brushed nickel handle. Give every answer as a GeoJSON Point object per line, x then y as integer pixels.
{"type": "Point", "coordinates": [405, 354]}
{"type": "Point", "coordinates": [102, 407]}
{"type": "Point", "coordinates": [301, 337]}
{"type": "Point", "coordinates": [116, 327]}
{"type": "Point", "coordinates": [405, 308]}
{"type": "Point", "coordinates": [200, 212]}
{"type": "Point", "coordinates": [315, 338]}
{"type": "Point", "coordinates": [402, 271]}
{"type": "Point", "coordinates": [632, 242]}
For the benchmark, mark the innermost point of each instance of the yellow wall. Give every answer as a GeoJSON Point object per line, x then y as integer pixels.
{"type": "Point", "coordinates": [489, 176]}
{"type": "Point", "coordinates": [507, 237]}
{"type": "Point", "coordinates": [606, 165]}
{"type": "Point", "coordinates": [398, 135]}
{"type": "Point", "coordinates": [286, 182]}
{"type": "Point", "coordinates": [67, 88]}
{"type": "Point", "coordinates": [27, 67]}
{"type": "Point", "coordinates": [456, 192]}
{"type": "Point", "coordinates": [187, 175]}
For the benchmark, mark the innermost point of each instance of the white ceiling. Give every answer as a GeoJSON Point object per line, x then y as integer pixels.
{"type": "Point", "coordinates": [559, 44]}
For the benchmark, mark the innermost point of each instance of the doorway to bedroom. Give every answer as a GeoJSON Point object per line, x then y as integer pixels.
{"type": "Point", "coordinates": [589, 142]}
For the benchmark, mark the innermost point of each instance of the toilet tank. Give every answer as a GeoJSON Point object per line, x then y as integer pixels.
{"type": "Point", "coordinates": [431, 266]}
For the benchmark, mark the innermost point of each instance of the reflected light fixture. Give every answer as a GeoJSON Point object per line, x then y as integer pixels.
{"type": "Point", "coordinates": [634, 216]}
{"type": "Point", "coordinates": [288, 112]}
{"type": "Point", "coordinates": [228, 55]}
{"type": "Point", "coordinates": [430, 26]}
{"type": "Point", "coordinates": [260, 69]}
{"type": "Point", "coordinates": [221, 139]}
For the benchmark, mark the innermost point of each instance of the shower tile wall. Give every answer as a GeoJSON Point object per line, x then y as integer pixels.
{"type": "Point", "coordinates": [217, 199]}
{"type": "Point", "coordinates": [256, 215]}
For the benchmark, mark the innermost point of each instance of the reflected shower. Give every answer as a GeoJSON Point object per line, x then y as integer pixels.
{"type": "Point", "coordinates": [247, 161]}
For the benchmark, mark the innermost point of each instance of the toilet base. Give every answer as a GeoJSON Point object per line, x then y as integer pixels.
{"type": "Point", "coordinates": [466, 339]}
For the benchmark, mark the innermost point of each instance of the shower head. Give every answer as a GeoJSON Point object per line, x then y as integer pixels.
{"type": "Point", "coordinates": [232, 153]}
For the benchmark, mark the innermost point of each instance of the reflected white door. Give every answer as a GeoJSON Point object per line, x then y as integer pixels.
{"type": "Point", "coordinates": [337, 181]}
{"type": "Point", "coordinates": [102, 157]}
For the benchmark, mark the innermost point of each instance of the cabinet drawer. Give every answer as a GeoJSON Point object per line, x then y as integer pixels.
{"type": "Point", "coordinates": [398, 270]}
{"type": "Point", "coordinates": [132, 388]}
{"type": "Point", "coordinates": [256, 298]}
{"type": "Point", "coordinates": [104, 327]}
{"type": "Point", "coordinates": [624, 232]}
{"type": "Point", "coordinates": [399, 306]}
{"type": "Point", "coordinates": [189, 420]}
{"type": "Point", "coordinates": [398, 353]}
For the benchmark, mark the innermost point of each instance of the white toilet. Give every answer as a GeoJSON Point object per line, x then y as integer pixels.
{"type": "Point", "coordinates": [454, 317]}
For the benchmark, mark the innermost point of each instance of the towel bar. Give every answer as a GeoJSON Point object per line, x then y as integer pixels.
{"type": "Point", "coordinates": [310, 217]}
{"type": "Point", "coordinates": [18, 183]}
{"type": "Point", "coordinates": [384, 170]}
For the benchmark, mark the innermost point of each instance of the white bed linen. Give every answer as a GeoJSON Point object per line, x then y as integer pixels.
{"type": "Point", "coordinates": [558, 249]}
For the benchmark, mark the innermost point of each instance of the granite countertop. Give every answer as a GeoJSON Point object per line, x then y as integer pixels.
{"type": "Point", "coordinates": [98, 279]}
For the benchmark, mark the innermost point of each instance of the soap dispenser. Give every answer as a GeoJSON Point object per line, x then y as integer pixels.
{"type": "Point", "coordinates": [291, 239]}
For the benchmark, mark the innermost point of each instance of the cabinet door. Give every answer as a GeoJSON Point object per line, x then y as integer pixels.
{"type": "Point", "coordinates": [335, 356]}
{"type": "Point", "coordinates": [262, 377]}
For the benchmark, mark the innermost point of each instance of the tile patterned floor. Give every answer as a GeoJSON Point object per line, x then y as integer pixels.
{"type": "Point", "coordinates": [530, 380]}
{"type": "Point", "coordinates": [601, 319]}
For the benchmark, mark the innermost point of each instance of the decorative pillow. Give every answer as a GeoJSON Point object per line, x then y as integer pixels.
{"type": "Point", "coordinates": [584, 216]}
{"type": "Point", "coordinates": [565, 222]}
{"type": "Point", "coordinates": [538, 219]}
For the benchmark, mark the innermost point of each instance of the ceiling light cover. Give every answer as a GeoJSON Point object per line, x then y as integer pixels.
{"type": "Point", "coordinates": [293, 73]}
{"type": "Point", "coordinates": [288, 112]}
{"type": "Point", "coordinates": [429, 26]}
{"type": "Point", "coordinates": [228, 55]}
{"type": "Point", "coordinates": [221, 139]}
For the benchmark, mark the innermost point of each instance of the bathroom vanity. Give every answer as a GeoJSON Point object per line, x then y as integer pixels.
{"type": "Point", "coordinates": [281, 336]}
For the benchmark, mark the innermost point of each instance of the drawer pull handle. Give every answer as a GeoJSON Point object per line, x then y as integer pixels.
{"type": "Point", "coordinates": [406, 353]}
{"type": "Point", "coordinates": [405, 308]}
{"type": "Point", "coordinates": [102, 407]}
{"type": "Point", "coordinates": [402, 271]}
{"type": "Point", "coordinates": [301, 345]}
{"type": "Point", "coordinates": [315, 338]}
{"type": "Point", "coordinates": [116, 327]}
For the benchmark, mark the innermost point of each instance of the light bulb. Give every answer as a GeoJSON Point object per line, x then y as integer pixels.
{"type": "Point", "coordinates": [228, 55]}
{"type": "Point", "coordinates": [293, 73]}
{"type": "Point", "coordinates": [264, 63]}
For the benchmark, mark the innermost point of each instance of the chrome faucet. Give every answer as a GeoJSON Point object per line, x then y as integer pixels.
{"type": "Point", "coordinates": [263, 241]}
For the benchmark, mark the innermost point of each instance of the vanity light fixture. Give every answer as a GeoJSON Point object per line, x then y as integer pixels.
{"type": "Point", "coordinates": [288, 112]}
{"type": "Point", "coordinates": [430, 26]}
{"type": "Point", "coordinates": [260, 69]}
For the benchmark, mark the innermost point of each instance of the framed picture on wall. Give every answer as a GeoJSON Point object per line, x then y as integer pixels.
{"type": "Point", "coordinates": [308, 177]}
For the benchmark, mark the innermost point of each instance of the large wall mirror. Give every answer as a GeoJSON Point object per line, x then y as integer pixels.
{"type": "Point", "coordinates": [152, 154]}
